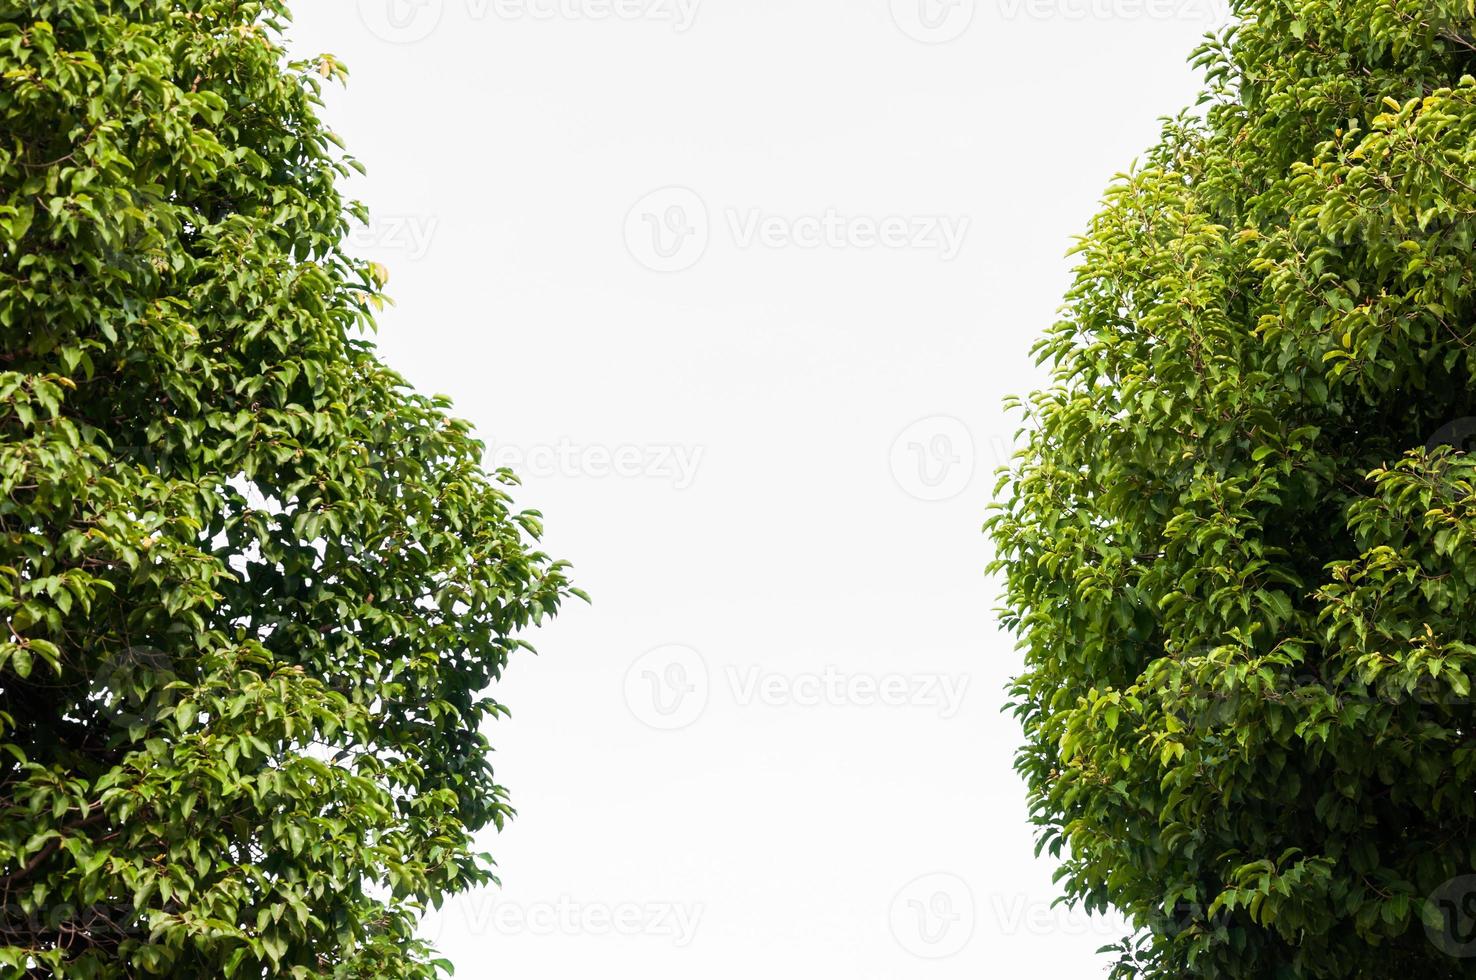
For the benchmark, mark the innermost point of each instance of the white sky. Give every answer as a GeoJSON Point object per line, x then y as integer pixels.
{"type": "Point", "coordinates": [773, 746]}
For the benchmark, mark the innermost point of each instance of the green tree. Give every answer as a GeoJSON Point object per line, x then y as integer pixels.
{"type": "Point", "coordinates": [1239, 542]}
{"type": "Point", "coordinates": [253, 587]}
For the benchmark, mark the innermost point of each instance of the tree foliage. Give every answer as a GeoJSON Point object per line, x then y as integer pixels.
{"type": "Point", "coordinates": [253, 587]}
{"type": "Point", "coordinates": [1239, 544]}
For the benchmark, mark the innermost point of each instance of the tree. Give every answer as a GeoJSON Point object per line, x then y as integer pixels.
{"type": "Point", "coordinates": [253, 587]}
{"type": "Point", "coordinates": [1237, 542]}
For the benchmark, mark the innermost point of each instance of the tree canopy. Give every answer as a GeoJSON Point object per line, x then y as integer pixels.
{"type": "Point", "coordinates": [1237, 543]}
{"type": "Point", "coordinates": [254, 587]}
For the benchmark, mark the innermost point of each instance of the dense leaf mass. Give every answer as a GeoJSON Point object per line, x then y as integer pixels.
{"type": "Point", "coordinates": [1239, 545]}
{"type": "Point", "coordinates": [253, 587]}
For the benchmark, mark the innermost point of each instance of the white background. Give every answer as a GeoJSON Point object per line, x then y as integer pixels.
{"type": "Point", "coordinates": [825, 387]}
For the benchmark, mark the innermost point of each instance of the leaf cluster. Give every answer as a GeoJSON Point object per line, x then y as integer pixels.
{"type": "Point", "coordinates": [252, 587]}
{"type": "Point", "coordinates": [1236, 552]}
